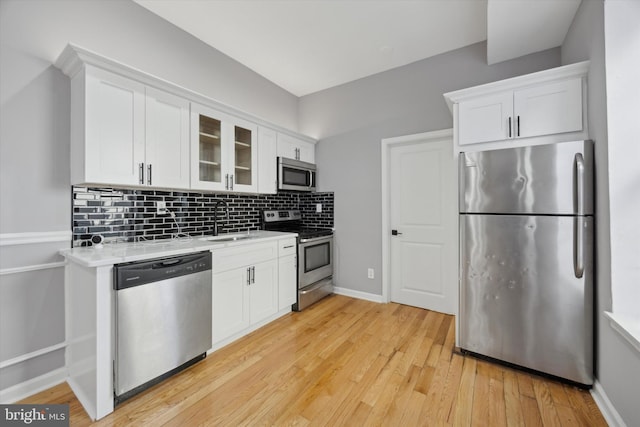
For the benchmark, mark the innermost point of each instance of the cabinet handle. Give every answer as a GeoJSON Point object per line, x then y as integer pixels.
{"type": "Point", "coordinates": [149, 174]}
{"type": "Point", "coordinates": [287, 247]}
{"type": "Point", "coordinates": [518, 126]}
{"type": "Point", "coordinates": [141, 173]}
{"type": "Point", "coordinates": [248, 275]}
{"type": "Point", "coordinates": [226, 182]}
{"type": "Point", "coordinates": [509, 127]}
{"type": "Point", "coordinates": [231, 182]}
{"type": "Point", "coordinates": [253, 274]}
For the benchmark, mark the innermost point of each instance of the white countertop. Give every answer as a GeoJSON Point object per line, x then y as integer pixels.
{"type": "Point", "coordinates": [116, 253]}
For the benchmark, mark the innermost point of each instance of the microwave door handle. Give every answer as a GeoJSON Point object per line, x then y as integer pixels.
{"type": "Point", "coordinates": [312, 178]}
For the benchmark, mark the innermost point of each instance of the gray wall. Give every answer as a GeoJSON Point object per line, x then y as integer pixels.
{"type": "Point", "coordinates": [351, 120]}
{"type": "Point", "coordinates": [617, 364]}
{"type": "Point", "coordinates": [34, 138]}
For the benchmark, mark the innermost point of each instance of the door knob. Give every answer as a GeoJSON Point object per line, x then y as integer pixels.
{"type": "Point", "coordinates": [395, 233]}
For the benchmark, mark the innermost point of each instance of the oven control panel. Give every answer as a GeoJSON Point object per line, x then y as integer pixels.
{"type": "Point", "coordinates": [288, 215]}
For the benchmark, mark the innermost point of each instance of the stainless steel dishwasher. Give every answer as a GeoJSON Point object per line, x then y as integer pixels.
{"type": "Point", "coordinates": [163, 319]}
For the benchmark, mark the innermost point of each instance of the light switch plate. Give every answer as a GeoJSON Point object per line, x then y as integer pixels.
{"type": "Point", "coordinates": [318, 207]}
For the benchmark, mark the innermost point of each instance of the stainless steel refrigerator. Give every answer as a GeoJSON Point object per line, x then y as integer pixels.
{"type": "Point", "coordinates": [526, 257]}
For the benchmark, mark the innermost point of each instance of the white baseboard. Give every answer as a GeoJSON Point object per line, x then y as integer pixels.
{"type": "Point", "coordinates": [357, 294]}
{"type": "Point", "coordinates": [609, 412]}
{"type": "Point", "coordinates": [35, 385]}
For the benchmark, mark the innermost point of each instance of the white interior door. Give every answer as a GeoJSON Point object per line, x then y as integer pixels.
{"type": "Point", "coordinates": [422, 213]}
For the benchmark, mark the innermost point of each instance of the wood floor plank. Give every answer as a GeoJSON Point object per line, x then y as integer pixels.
{"type": "Point", "coordinates": [525, 384]}
{"type": "Point", "coordinates": [346, 362]}
{"type": "Point", "coordinates": [584, 406]}
{"type": "Point", "coordinates": [451, 386]}
{"type": "Point", "coordinates": [464, 403]}
{"type": "Point", "coordinates": [558, 393]}
{"type": "Point", "coordinates": [531, 412]}
{"type": "Point", "coordinates": [513, 408]}
{"type": "Point", "coordinates": [480, 410]}
{"type": "Point", "coordinates": [400, 401]}
{"type": "Point", "coordinates": [548, 411]}
{"type": "Point", "coordinates": [567, 416]}
{"type": "Point", "coordinates": [497, 406]}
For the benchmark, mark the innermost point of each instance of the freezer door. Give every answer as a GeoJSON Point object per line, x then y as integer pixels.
{"type": "Point", "coordinates": [552, 179]}
{"type": "Point", "coordinates": [520, 299]}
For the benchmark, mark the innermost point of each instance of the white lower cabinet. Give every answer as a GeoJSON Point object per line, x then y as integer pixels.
{"type": "Point", "coordinates": [287, 285]}
{"type": "Point", "coordinates": [287, 273]}
{"type": "Point", "coordinates": [248, 282]}
{"type": "Point", "coordinates": [230, 303]}
{"type": "Point", "coordinates": [263, 291]}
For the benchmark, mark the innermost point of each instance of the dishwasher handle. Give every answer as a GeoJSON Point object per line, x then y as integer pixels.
{"type": "Point", "coordinates": [139, 273]}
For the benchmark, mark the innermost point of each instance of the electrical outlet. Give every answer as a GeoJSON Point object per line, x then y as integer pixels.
{"type": "Point", "coordinates": [161, 208]}
{"type": "Point", "coordinates": [370, 273]}
{"type": "Point", "coordinates": [318, 207]}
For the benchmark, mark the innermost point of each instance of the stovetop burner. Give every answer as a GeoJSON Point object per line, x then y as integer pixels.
{"type": "Point", "coordinates": [291, 221]}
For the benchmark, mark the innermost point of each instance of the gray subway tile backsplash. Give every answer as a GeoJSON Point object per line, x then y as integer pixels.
{"type": "Point", "coordinates": [128, 214]}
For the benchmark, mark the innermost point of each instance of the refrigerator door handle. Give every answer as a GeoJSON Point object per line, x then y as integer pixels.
{"type": "Point", "coordinates": [579, 171]}
{"type": "Point", "coordinates": [461, 183]}
{"type": "Point", "coordinates": [578, 246]}
{"type": "Point", "coordinates": [578, 232]}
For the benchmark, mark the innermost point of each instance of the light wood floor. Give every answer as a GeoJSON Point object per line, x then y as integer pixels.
{"type": "Point", "coordinates": [353, 363]}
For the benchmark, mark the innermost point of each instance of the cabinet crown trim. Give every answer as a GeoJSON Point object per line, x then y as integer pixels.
{"type": "Point", "coordinates": [579, 69]}
{"type": "Point", "coordinates": [75, 59]}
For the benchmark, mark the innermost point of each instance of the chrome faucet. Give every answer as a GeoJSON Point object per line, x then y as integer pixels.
{"type": "Point", "coordinates": [215, 214]}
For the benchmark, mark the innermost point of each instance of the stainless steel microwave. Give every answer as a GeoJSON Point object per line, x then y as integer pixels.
{"type": "Point", "coordinates": [295, 175]}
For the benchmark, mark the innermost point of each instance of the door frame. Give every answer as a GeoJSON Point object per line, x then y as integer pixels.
{"type": "Point", "coordinates": [386, 146]}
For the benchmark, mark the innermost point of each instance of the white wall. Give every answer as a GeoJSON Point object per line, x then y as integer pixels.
{"type": "Point", "coordinates": [35, 192]}
{"type": "Point", "coordinates": [352, 119]}
{"type": "Point", "coordinates": [597, 25]}
{"type": "Point", "coordinates": [622, 41]}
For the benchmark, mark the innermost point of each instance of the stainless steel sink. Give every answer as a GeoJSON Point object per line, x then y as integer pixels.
{"type": "Point", "coordinates": [228, 237]}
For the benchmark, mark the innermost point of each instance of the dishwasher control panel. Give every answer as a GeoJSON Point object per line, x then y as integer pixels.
{"type": "Point", "coordinates": [138, 273]}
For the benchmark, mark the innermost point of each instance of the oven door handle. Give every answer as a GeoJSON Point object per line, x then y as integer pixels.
{"type": "Point", "coordinates": [316, 239]}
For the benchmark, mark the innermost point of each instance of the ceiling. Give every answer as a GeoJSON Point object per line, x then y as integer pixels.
{"type": "Point", "coordinates": [305, 46]}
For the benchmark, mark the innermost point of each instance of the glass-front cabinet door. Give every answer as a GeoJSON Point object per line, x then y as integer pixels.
{"type": "Point", "coordinates": [245, 157]}
{"type": "Point", "coordinates": [208, 150]}
{"type": "Point", "coordinates": [223, 151]}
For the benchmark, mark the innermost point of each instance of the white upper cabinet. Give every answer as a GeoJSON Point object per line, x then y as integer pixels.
{"type": "Point", "coordinates": [223, 151]}
{"type": "Point", "coordinates": [267, 161]}
{"type": "Point", "coordinates": [124, 133]}
{"type": "Point", "coordinates": [129, 128]}
{"type": "Point", "coordinates": [548, 109]}
{"type": "Point", "coordinates": [546, 103]}
{"type": "Point", "coordinates": [294, 148]}
{"type": "Point", "coordinates": [167, 141]}
{"type": "Point", "coordinates": [107, 129]}
{"type": "Point", "coordinates": [486, 119]}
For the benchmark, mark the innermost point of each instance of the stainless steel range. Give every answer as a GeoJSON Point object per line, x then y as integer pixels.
{"type": "Point", "coordinates": [315, 255]}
